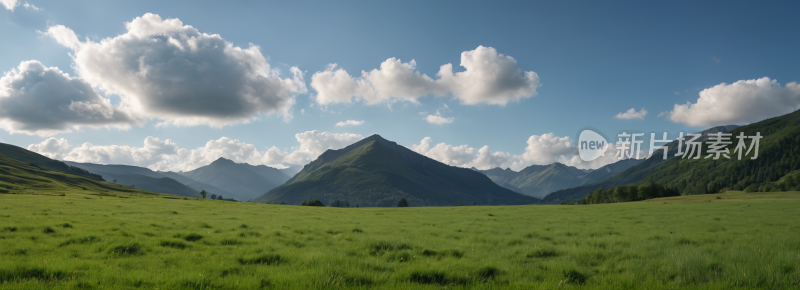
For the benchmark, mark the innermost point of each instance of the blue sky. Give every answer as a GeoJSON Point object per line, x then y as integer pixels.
{"type": "Point", "coordinates": [594, 60]}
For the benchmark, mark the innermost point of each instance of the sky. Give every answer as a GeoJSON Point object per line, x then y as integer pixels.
{"type": "Point", "coordinates": [175, 85]}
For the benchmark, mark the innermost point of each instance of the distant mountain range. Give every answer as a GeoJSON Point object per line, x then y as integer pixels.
{"type": "Point", "coordinates": [139, 177]}
{"type": "Point", "coordinates": [25, 156]}
{"type": "Point", "coordinates": [378, 172]}
{"type": "Point", "coordinates": [242, 181]}
{"type": "Point", "coordinates": [37, 174]}
{"type": "Point", "coordinates": [540, 180]}
{"type": "Point", "coordinates": [640, 171]}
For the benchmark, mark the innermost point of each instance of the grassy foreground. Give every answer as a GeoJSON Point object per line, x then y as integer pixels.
{"type": "Point", "coordinates": [81, 241]}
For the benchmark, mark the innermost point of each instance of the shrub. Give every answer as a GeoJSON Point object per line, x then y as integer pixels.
{"type": "Point", "coordinates": [192, 237]}
{"type": "Point", "coordinates": [487, 273]}
{"type": "Point", "coordinates": [543, 253]}
{"type": "Point", "coordinates": [127, 250]}
{"type": "Point", "coordinates": [312, 203]}
{"type": "Point", "coordinates": [271, 259]}
{"type": "Point", "coordinates": [574, 277]}
{"type": "Point", "coordinates": [230, 242]}
{"type": "Point", "coordinates": [378, 248]}
{"type": "Point", "coordinates": [174, 244]}
{"type": "Point", "coordinates": [434, 277]}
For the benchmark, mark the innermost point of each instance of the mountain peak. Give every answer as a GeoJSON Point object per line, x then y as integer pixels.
{"type": "Point", "coordinates": [222, 160]}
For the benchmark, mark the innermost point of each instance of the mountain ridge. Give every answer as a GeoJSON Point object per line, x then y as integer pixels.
{"type": "Point", "coordinates": [378, 172]}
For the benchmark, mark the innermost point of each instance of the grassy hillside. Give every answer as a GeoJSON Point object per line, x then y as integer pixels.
{"type": "Point", "coordinates": [243, 181]}
{"type": "Point", "coordinates": [29, 157]}
{"type": "Point", "coordinates": [196, 185]}
{"type": "Point", "coordinates": [79, 241]}
{"type": "Point", "coordinates": [377, 172]}
{"type": "Point", "coordinates": [637, 173]}
{"type": "Point", "coordinates": [139, 177]}
{"type": "Point", "coordinates": [17, 177]}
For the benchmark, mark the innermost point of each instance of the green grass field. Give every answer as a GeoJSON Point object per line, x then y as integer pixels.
{"type": "Point", "coordinates": [83, 241]}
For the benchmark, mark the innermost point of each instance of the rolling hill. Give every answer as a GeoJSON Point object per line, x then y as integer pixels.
{"type": "Point", "coordinates": [196, 185]}
{"type": "Point", "coordinates": [242, 181]}
{"type": "Point", "coordinates": [140, 177]}
{"type": "Point", "coordinates": [378, 172]}
{"type": "Point", "coordinates": [540, 180]}
{"type": "Point", "coordinates": [671, 172]}
{"type": "Point", "coordinates": [29, 157]}
{"type": "Point", "coordinates": [17, 177]}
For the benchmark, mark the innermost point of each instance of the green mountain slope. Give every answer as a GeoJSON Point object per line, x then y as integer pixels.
{"type": "Point", "coordinates": [29, 157]}
{"type": "Point", "coordinates": [243, 181]}
{"type": "Point", "coordinates": [690, 176]}
{"type": "Point", "coordinates": [196, 185]}
{"type": "Point", "coordinates": [377, 172]}
{"type": "Point", "coordinates": [540, 180]}
{"type": "Point", "coordinates": [25, 178]}
{"type": "Point", "coordinates": [140, 177]}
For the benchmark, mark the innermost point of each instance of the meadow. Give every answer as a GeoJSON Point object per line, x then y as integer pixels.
{"type": "Point", "coordinates": [136, 241]}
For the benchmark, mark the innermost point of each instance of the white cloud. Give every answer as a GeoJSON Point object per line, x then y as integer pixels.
{"type": "Point", "coordinates": [438, 119]}
{"type": "Point", "coordinates": [632, 114]}
{"type": "Point", "coordinates": [52, 148]}
{"type": "Point", "coordinates": [349, 123]}
{"type": "Point", "coordinates": [742, 102]}
{"type": "Point", "coordinates": [160, 154]}
{"type": "Point", "coordinates": [489, 78]}
{"type": "Point", "coordinates": [37, 100]}
{"type": "Point", "coordinates": [165, 70]}
{"type": "Point", "coordinates": [11, 4]}
{"type": "Point", "coordinates": [540, 150]}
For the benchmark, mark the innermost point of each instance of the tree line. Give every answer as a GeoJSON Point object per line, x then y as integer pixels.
{"type": "Point", "coordinates": [625, 193]}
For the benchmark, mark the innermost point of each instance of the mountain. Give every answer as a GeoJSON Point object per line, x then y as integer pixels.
{"type": "Point", "coordinates": [243, 181]}
{"type": "Point", "coordinates": [540, 180]}
{"type": "Point", "coordinates": [292, 170]}
{"type": "Point", "coordinates": [378, 172]}
{"type": "Point", "coordinates": [650, 167]}
{"type": "Point", "coordinates": [29, 157]}
{"type": "Point", "coordinates": [196, 185]}
{"type": "Point", "coordinates": [30, 178]}
{"type": "Point", "coordinates": [140, 177]}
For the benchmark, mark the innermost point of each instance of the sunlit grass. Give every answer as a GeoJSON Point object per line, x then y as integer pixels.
{"type": "Point", "coordinates": [80, 241]}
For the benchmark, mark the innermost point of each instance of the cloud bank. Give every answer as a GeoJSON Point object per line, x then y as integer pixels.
{"type": "Point", "coordinates": [158, 154]}
{"type": "Point", "coordinates": [540, 150]}
{"type": "Point", "coordinates": [163, 69]}
{"type": "Point", "coordinates": [489, 78]}
{"type": "Point", "coordinates": [742, 102]}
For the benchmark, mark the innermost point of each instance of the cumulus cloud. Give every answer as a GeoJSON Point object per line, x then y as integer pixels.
{"type": "Point", "coordinates": [349, 123]}
{"type": "Point", "coordinates": [742, 102]}
{"type": "Point", "coordinates": [540, 150]}
{"type": "Point", "coordinates": [163, 69]}
{"type": "Point", "coordinates": [158, 154]}
{"type": "Point", "coordinates": [10, 4]}
{"type": "Point", "coordinates": [437, 119]}
{"type": "Point", "coordinates": [37, 100]}
{"type": "Point", "coordinates": [632, 114]}
{"type": "Point", "coordinates": [489, 77]}
{"type": "Point", "coordinates": [52, 148]}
